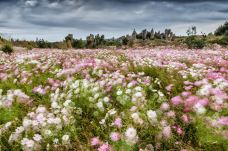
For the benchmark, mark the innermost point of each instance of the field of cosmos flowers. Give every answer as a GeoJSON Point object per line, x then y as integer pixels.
{"type": "Point", "coordinates": [114, 100]}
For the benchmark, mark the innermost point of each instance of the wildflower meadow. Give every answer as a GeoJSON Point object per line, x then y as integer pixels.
{"type": "Point", "coordinates": [114, 100]}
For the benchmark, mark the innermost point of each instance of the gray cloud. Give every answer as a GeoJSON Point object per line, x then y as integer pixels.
{"type": "Point", "coordinates": [53, 19]}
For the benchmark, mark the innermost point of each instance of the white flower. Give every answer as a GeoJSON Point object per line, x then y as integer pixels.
{"type": "Point", "coordinates": [13, 137]}
{"type": "Point", "coordinates": [100, 106]}
{"type": "Point", "coordinates": [130, 85]}
{"type": "Point", "coordinates": [217, 99]}
{"type": "Point", "coordinates": [204, 90]}
{"type": "Point", "coordinates": [54, 104]}
{"type": "Point", "coordinates": [30, 143]}
{"type": "Point", "coordinates": [24, 141]}
{"type": "Point", "coordinates": [199, 108]}
{"type": "Point", "coordinates": [96, 95]}
{"type": "Point", "coordinates": [133, 108]}
{"type": "Point", "coordinates": [27, 123]}
{"type": "Point", "coordinates": [138, 88]}
{"type": "Point", "coordinates": [56, 141]}
{"type": "Point", "coordinates": [31, 114]}
{"type": "Point", "coordinates": [102, 122]}
{"type": "Point", "coordinates": [131, 135]}
{"type": "Point", "coordinates": [152, 114]}
{"type": "Point", "coordinates": [64, 111]}
{"type": "Point", "coordinates": [119, 92]}
{"type": "Point", "coordinates": [106, 99]}
{"type": "Point", "coordinates": [37, 137]}
{"type": "Point", "coordinates": [40, 118]}
{"type": "Point", "coordinates": [40, 109]}
{"type": "Point", "coordinates": [138, 94]}
{"type": "Point", "coordinates": [160, 94]}
{"type": "Point", "coordinates": [67, 103]}
{"type": "Point", "coordinates": [95, 89]}
{"type": "Point", "coordinates": [20, 130]}
{"type": "Point", "coordinates": [65, 138]}
{"type": "Point", "coordinates": [27, 143]}
{"type": "Point", "coordinates": [136, 118]}
{"type": "Point", "coordinates": [7, 125]}
{"type": "Point", "coordinates": [47, 132]}
{"type": "Point", "coordinates": [35, 123]}
{"type": "Point", "coordinates": [128, 91]}
{"type": "Point", "coordinates": [112, 112]}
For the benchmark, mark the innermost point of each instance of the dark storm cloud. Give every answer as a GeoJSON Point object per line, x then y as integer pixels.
{"type": "Point", "coordinates": [53, 19]}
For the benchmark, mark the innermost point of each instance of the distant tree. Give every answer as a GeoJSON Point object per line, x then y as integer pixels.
{"type": "Point", "coordinates": [226, 33]}
{"type": "Point", "coordinates": [69, 40]}
{"type": "Point", "coordinates": [43, 44]}
{"type": "Point", "coordinates": [79, 44]}
{"type": "Point", "coordinates": [125, 40]}
{"type": "Point", "coordinates": [134, 34]}
{"type": "Point", "coordinates": [90, 43]}
{"type": "Point", "coordinates": [210, 34]}
{"type": "Point", "coordinates": [192, 31]}
{"type": "Point", "coordinates": [69, 37]}
{"type": "Point", "coordinates": [222, 30]}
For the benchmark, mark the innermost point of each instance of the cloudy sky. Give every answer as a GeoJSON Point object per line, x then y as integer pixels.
{"type": "Point", "coordinates": [53, 19]}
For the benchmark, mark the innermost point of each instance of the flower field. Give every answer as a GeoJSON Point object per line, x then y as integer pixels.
{"type": "Point", "coordinates": [106, 100]}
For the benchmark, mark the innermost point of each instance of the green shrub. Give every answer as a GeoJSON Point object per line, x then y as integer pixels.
{"type": "Point", "coordinates": [222, 41]}
{"type": "Point", "coordinates": [194, 42]}
{"type": "Point", "coordinates": [7, 48]}
{"type": "Point", "coordinates": [29, 47]}
{"type": "Point", "coordinates": [226, 33]}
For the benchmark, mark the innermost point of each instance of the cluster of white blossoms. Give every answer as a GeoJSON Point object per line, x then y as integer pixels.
{"type": "Point", "coordinates": [152, 116]}
{"type": "Point", "coordinates": [131, 135]}
{"type": "Point", "coordinates": [45, 124]}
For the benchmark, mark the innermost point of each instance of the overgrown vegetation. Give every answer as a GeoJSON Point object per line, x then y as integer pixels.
{"type": "Point", "coordinates": [7, 48]}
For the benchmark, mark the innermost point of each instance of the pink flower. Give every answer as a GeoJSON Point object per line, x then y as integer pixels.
{"type": "Point", "coordinates": [223, 120]}
{"type": "Point", "coordinates": [104, 147]}
{"type": "Point", "coordinates": [8, 103]}
{"type": "Point", "coordinates": [198, 83]}
{"type": "Point", "coordinates": [185, 118]}
{"type": "Point", "coordinates": [190, 101]}
{"type": "Point", "coordinates": [171, 114]}
{"type": "Point", "coordinates": [186, 94]}
{"type": "Point", "coordinates": [169, 87]}
{"type": "Point", "coordinates": [215, 106]}
{"type": "Point", "coordinates": [95, 141]}
{"type": "Point", "coordinates": [187, 83]}
{"type": "Point", "coordinates": [179, 131]}
{"type": "Point", "coordinates": [164, 106]}
{"type": "Point", "coordinates": [203, 102]}
{"type": "Point", "coordinates": [167, 132]}
{"type": "Point", "coordinates": [187, 88]}
{"type": "Point", "coordinates": [118, 122]}
{"type": "Point", "coordinates": [213, 75]}
{"type": "Point", "coordinates": [115, 136]}
{"type": "Point", "coordinates": [39, 90]}
{"type": "Point", "coordinates": [177, 100]}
